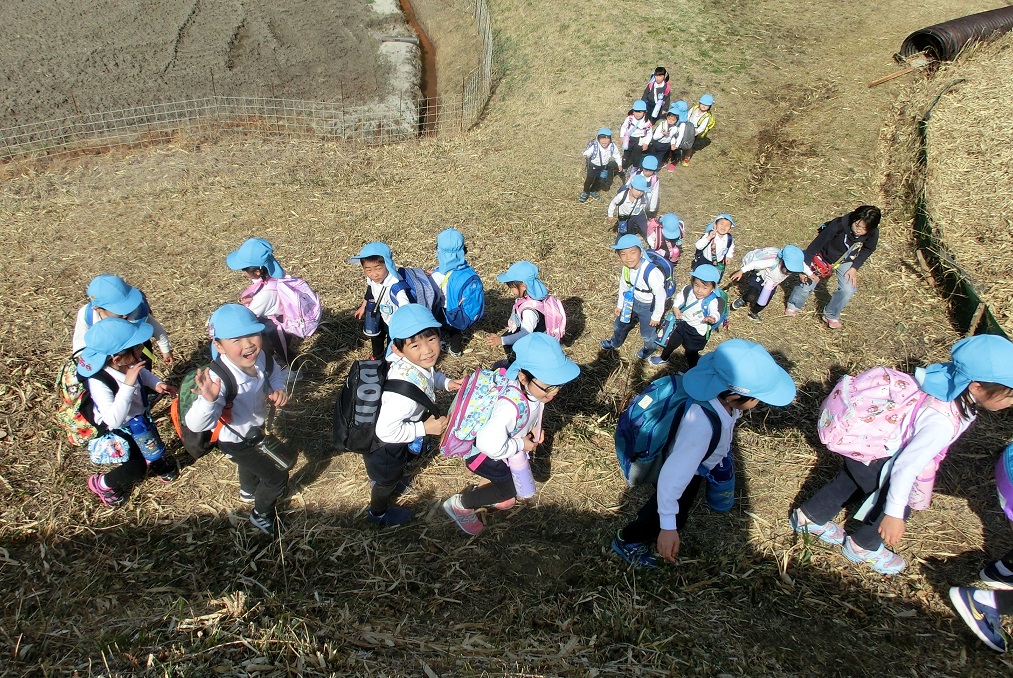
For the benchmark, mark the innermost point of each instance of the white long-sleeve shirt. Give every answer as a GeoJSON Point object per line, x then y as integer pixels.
{"type": "Point", "coordinates": [769, 268]}
{"type": "Point", "coordinates": [114, 411]}
{"type": "Point", "coordinates": [495, 439]}
{"type": "Point", "coordinates": [637, 130]}
{"type": "Point", "coordinates": [724, 247]}
{"type": "Point", "coordinates": [693, 311]}
{"type": "Point", "coordinates": [381, 295]}
{"type": "Point", "coordinates": [669, 134]}
{"type": "Point", "coordinates": [652, 196]}
{"type": "Point", "coordinates": [249, 408]}
{"type": "Point", "coordinates": [933, 431]}
{"type": "Point", "coordinates": [649, 291]}
{"type": "Point", "coordinates": [521, 326]}
{"type": "Point", "coordinates": [84, 323]}
{"type": "Point", "coordinates": [399, 418]}
{"type": "Point", "coordinates": [264, 303]}
{"type": "Point", "coordinates": [624, 205]}
{"type": "Point", "coordinates": [601, 155]}
{"type": "Point", "coordinates": [686, 454]}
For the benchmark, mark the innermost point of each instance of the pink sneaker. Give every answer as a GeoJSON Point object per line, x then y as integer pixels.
{"type": "Point", "coordinates": [832, 323]}
{"type": "Point", "coordinates": [466, 519]}
{"type": "Point", "coordinates": [671, 167]}
{"type": "Point", "coordinates": [790, 312]}
{"type": "Point", "coordinates": [505, 504]}
{"type": "Point", "coordinates": [108, 497]}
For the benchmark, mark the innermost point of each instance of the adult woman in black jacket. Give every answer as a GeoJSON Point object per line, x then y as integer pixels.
{"type": "Point", "coordinates": [840, 249]}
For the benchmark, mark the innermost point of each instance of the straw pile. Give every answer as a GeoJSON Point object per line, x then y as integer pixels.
{"type": "Point", "coordinates": [970, 171]}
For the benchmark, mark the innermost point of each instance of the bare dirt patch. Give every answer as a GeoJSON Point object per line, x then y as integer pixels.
{"type": "Point", "coordinates": [63, 59]}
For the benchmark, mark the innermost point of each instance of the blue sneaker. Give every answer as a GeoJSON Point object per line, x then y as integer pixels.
{"type": "Point", "coordinates": [644, 354]}
{"type": "Point", "coordinates": [606, 344]}
{"type": "Point", "coordinates": [635, 554]}
{"type": "Point", "coordinates": [996, 579]}
{"type": "Point", "coordinates": [394, 515]}
{"type": "Point", "coordinates": [657, 360]}
{"type": "Point", "coordinates": [882, 560]}
{"type": "Point", "coordinates": [982, 619]}
{"type": "Point", "coordinates": [583, 197]}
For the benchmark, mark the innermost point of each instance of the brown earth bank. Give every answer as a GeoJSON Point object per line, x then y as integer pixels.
{"type": "Point", "coordinates": [175, 583]}
{"type": "Point", "coordinates": [65, 58]}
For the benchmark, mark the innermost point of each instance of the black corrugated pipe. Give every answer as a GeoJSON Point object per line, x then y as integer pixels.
{"type": "Point", "coordinates": [944, 41]}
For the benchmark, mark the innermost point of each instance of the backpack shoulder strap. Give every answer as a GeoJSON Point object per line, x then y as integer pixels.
{"type": "Point", "coordinates": [412, 392]}
{"type": "Point", "coordinates": [712, 416]}
{"type": "Point", "coordinates": [227, 378]}
{"type": "Point", "coordinates": [107, 380]}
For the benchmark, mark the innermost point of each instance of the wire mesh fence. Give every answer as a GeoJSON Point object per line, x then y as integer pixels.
{"type": "Point", "coordinates": [384, 122]}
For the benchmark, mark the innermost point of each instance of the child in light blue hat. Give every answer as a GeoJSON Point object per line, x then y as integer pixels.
{"type": "Point", "coordinates": [238, 340]}
{"type": "Point", "coordinates": [255, 258]}
{"type": "Point", "coordinates": [733, 378]}
{"type": "Point", "coordinates": [118, 382]}
{"type": "Point", "coordinates": [979, 376]}
{"type": "Point", "coordinates": [383, 294]}
{"type": "Point", "coordinates": [696, 309]}
{"type": "Point", "coordinates": [635, 133]}
{"type": "Point", "coordinates": [463, 293]}
{"type": "Point", "coordinates": [110, 297]}
{"type": "Point", "coordinates": [648, 169]}
{"type": "Point", "coordinates": [716, 246]}
{"type": "Point", "coordinates": [602, 161]}
{"type": "Point", "coordinates": [408, 411]}
{"type": "Point", "coordinates": [514, 428]}
{"type": "Point", "coordinates": [627, 209]}
{"type": "Point", "coordinates": [529, 311]}
{"type": "Point", "coordinates": [769, 267]}
{"type": "Point", "coordinates": [641, 296]}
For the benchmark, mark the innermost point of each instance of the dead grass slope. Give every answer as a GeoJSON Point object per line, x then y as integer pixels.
{"type": "Point", "coordinates": [175, 584]}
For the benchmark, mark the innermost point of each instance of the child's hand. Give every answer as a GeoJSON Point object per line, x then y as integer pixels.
{"type": "Point", "coordinates": [668, 544]}
{"type": "Point", "coordinates": [245, 300]}
{"type": "Point", "coordinates": [710, 236]}
{"type": "Point", "coordinates": [167, 358]}
{"type": "Point", "coordinates": [891, 530]}
{"type": "Point", "coordinates": [434, 426]}
{"type": "Point", "coordinates": [494, 340]}
{"type": "Point", "coordinates": [279, 398]}
{"type": "Point", "coordinates": [455, 385]}
{"type": "Point", "coordinates": [851, 275]}
{"type": "Point", "coordinates": [206, 386]}
{"type": "Point", "coordinates": [645, 146]}
{"type": "Point", "coordinates": [611, 220]}
{"type": "Point", "coordinates": [677, 313]}
{"type": "Point", "coordinates": [619, 312]}
{"type": "Point", "coordinates": [804, 278]}
{"type": "Point", "coordinates": [530, 443]}
{"type": "Point", "coordinates": [655, 323]}
{"type": "Point", "coordinates": [736, 277]}
{"type": "Point", "coordinates": [162, 387]}
{"type": "Point", "coordinates": [359, 312]}
{"type": "Point", "coordinates": [133, 372]}
{"type": "Point", "coordinates": [710, 320]}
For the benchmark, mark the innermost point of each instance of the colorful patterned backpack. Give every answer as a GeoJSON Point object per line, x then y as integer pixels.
{"type": "Point", "coordinates": [863, 412]}
{"type": "Point", "coordinates": [75, 412]}
{"type": "Point", "coordinates": [472, 408]}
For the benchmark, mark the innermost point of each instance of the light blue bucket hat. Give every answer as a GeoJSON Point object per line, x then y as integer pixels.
{"type": "Point", "coordinates": [986, 357]}
{"type": "Point", "coordinates": [449, 250]}
{"type": "Point", "coordinates": [106, 338]}
{"type": "Point", "coordinates": [377, 249]}
{"type": "Point", "coordinates": [543, 357]}
{"type": "Point", "coordinates": [255, 252]}
{"type": "Point", "coordinates": [743, 367]}
{"type": "Point", "coordinates": [793, 258]}
{"type": "Point", "coordinates": [707, 273]}
{"type": "Point", "coordinates": [640, 105]}
{"type": "Point", "coordinates": [232, 321]}
{"type": "Point", "coordinates": [409, 320]}
{"type": "Point", "coordinates": [639, 182]}
{"type": "Point", "coordinates": [649, 162]}
{"type": "Point", "coordinates": [627, 241]}
{"type": "Point", "coordinates": [112, 293]}
{"type": "Point", "coordinates": [527, 273]}
{"type": "Point", "coordinates": [672, 226]}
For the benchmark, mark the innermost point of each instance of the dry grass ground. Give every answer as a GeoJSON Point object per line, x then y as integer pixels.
{"type": "Point", "coordinates": [176, 584]}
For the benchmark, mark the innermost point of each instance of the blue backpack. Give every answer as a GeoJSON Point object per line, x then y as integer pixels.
{"type": "Point", "coordinates": [465, 297]}
{"type": "Point", "coordinates": [647, 427]}
{"type": "Point", "coordinates": [420, 288]}
{"type": "Point", "coordinates": [658, 260]}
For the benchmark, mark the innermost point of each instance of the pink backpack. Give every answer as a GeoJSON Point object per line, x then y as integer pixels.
{"type": "Point", "coordinates": [299, 305]}
{"type": "Point", "coordinates": [472, 408]}
{"type": "Point", "coordinates": [863, 412]}
{"type": "Point", "coordinates": [551, 309]}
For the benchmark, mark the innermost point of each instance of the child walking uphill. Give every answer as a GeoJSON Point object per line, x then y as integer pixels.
{"type": "Point", "coordinates": [514, 427]}
{"type": "Point", "coordinates": [734, 378]}
{"type": "Point", "coordinates": [602, 161]}
{"type": "Point", "coordinates": [891, 452]}
{"type": "Point", "coordinates": [769, 267]}
{"type": "Point", "coordinates": [110, 297]}
{"type": "Point", "coordinates": [658, 93]}
{"type": "Point", "coordinates": [403, 421]}
{"type": "Point", "coordinates": [464, 296]}
{"type": "Point", "coordinates": [239, 342]}
{"type": "Point", "coordinates": [702, 118]}
{"type": "Point", "coordinates": [380, 300]}
{"type": "Point", "coordinates": [668, 136]}
{"type": "Point", "coordinates": [648, 169]}
{"type": "Point", "coordinates": [255, 258]}
{"type": "Point", "coordinates": [641, 296]}
{"type": "Point", "coordinates": [635, 133]}
{"type": "Point", "coordinates": [840, 249]}
{"type": "Point", "coordinates": [528, 313]}
{"type": "Point", "coordinates": [717, 246]}
{"type": "Point", "coordinates": [626, 210]}
{"type": "Point", "coordinates": [696, 309]}
{"type": "Point", "coordinates": [118, 382]}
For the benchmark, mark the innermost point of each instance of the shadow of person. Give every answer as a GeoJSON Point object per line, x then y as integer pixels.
{"type": "Point", "coordinates": [576, 321]}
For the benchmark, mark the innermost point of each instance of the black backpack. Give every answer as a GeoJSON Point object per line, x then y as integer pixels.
{"type": "Point", "coordinates": [358, 404]}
